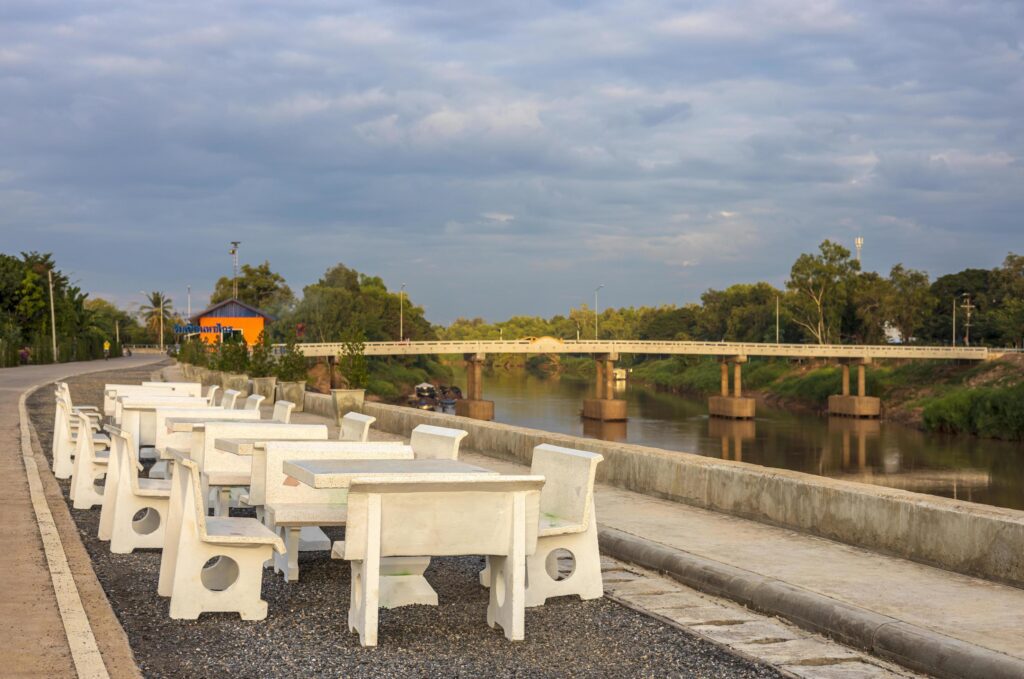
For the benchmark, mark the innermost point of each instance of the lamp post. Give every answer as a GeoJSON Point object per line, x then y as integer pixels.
{"type": "Point", "coordinates": [595, 308]}
{"type": "Point", "coordinates": [401, 314]}
{"type": "Point", "coordinates": [53, 316]}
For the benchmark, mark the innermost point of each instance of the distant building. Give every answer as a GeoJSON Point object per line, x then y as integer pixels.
{"type": "Point", "coordinates": [227, 318]}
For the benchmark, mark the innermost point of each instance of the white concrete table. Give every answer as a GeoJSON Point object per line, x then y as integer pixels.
{"type": "Point", "coordinates": [401, 578]}
{"type": "Point", "coordinates": [137, 415]}
{"type": "Point", "coordinates": [312, 538]}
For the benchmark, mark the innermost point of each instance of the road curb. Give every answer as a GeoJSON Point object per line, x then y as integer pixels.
{"type": "Point", "coordinates": [908, 645]}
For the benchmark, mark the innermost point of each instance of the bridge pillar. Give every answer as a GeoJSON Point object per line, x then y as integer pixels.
{"type": "Point", "coordinates": [735, 406]}
{"type": "Point", "coordinates": [474, 405]}
{"type": "Point", "coordinates": [861, 405]}
{"type": "Point", "coordinates": [604, 407]}
{"type": "Point", "coordinates": [734, 432]}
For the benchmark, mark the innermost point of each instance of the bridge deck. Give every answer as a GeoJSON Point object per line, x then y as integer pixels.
{"type": "Point", "coordinates": [548, 345]}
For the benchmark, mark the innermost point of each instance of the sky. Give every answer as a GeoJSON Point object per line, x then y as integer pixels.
{"type": "Point", "coordinates": [505, 158]}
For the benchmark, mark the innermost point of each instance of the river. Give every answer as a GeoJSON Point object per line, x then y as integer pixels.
{"type": "Point", "coordinates": [868, 451]}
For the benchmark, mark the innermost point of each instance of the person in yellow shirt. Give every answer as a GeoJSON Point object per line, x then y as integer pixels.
{"type": "Point", "coordinates": [106, 350]}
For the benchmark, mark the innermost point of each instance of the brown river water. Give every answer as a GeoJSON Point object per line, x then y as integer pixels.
{"type": "Point", "coordinates": [868, 451]}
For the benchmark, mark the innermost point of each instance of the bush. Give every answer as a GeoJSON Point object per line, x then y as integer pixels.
{"type": "Point", "coordinates": [232, 355]}
{"type": "Point", "coordinates": [291, 365]}
{"type": "Point", "coordinates": [995, 412]}
{"type": "Point", "coordinates": [383, 389]}
{"type": "Point", "coordinates": [262, 363]}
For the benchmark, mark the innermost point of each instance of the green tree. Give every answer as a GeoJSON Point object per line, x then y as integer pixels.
{"type": "Point", "coordinates": [353, 363]}
{"type": "Point", "coordinates": [258, 286]}
{"type": "Point", "coordinates": [291, 365]}
{"type": "Point", "coordinates": [158, 305]}
{"type": "Point", "coordinates": [818, 287]}
{"type": "Point", "coordinates": [910, 301]}
{"type": "Point", "coordinates": [261, 362]}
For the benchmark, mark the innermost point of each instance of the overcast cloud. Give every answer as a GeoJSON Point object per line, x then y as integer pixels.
{"type": "Point", "coordinates": [505, 158]}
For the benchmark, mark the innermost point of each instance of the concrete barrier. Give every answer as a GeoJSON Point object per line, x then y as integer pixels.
{"type": "Point", "coordinates": [319, 404]}
{"type": "Point", "coordinates": [959, 536]}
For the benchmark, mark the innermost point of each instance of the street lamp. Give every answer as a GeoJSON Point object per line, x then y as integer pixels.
{"type": "Point", "coordinates": [401, 314]}
{"type": "Point", "coordinates": [595, 308]}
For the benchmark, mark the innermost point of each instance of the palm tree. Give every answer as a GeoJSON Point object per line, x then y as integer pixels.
{"type": "Point", "coordinates": [157, 313]}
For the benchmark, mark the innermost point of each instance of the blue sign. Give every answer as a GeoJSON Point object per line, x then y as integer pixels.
{"type": "Point", "coordinates": [192, 329]}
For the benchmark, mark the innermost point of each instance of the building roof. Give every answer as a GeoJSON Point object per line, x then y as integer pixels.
{"type": "Point", "coordinates": [231, 308]}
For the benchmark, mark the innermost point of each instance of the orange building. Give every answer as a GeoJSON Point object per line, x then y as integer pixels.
{"type": "Point", "coordinates": [227, 318]}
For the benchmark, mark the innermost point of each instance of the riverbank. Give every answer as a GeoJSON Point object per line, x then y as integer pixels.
{"type": "Point", "coordinates": [982, 399]}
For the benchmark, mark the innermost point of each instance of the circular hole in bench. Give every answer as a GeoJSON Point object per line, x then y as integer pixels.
{"type": "Point", "coordinates": [560, 564]}
{"type": "Point", "coordinates": [146, 520]}
{"type": "Point", "coordinates": [99, 483]}
{"type": "Point", "coordinates": [219, 573]}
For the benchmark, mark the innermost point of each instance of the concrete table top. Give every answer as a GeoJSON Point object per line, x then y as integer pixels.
{"type": "Point", "coordinates": [339, 473]}
{"type": "Point", "coordinates": [248, 447]}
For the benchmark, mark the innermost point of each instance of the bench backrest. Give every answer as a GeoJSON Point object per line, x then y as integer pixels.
{"type": "Point", "coordinates": [112, 391]}
{"type": "Point", "coordinates": [274, 486]}
{"type": "Point", "coordinates": [183, 388]}
{"type": "Point", "coordinates": [355, 427]}
{"type": "Point", "coordinates": [212, 460]}
{"type": "Point", "coordinates": [183, 439]}
{"type": "Point", "coordinates": [229, 399]}
{"type": "Point", "coordinates": [436, 443]}
{"type": "Point", "coordinates": [128, 464]}
{"type": "Point", "coordinates": [416, 515]}
{"type": "Point", "coordinates": [253, 402]}
{"type": "Point", "coordinates": [568, 493]}
{"type": "Point", "coordinates": [211, 394]}
{"type": "Point", "coordinates": [85, 450]}
{"type": "Point", "coordinates": [283, 411]}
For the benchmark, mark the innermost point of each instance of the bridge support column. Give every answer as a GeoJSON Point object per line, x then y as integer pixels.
{"type": "Point", "coordinates": [605, 408]}
{"type": "Point", "coordinates": [861, 405]}
{"type": "Point", "coordinates": [735, 406]}
{"type": "Point", "coordinates": [474, 405]}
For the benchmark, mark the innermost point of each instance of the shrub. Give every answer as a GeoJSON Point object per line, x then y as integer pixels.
{"type": "Point", "coordinates": [233, 355]}
{"type": "Point", "coordinates": [262, 363]}
{"type": "Point", "coordinates": [291, 365]}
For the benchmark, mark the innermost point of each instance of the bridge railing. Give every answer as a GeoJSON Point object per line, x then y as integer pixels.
{"type": "Point", "coordinates": [552, 345]}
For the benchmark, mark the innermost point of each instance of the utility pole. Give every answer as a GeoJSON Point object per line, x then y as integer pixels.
{"type": "Point", "coordinates": [117, 331]}
{"type": "Point", "coordinates": [968, 308]}
{"type": "Point", "coordinates": [595, 308]}
{"type": "Point", "coordinates": [401, 314]}
{"type": "Point", "coordinates": [53, 316]}
{"type": "Point", "coordinates": [234, 268]}
{"type": "Point", "coordinates": [776, 319]}
{"type": "Point", "coordinates": [954, 321]}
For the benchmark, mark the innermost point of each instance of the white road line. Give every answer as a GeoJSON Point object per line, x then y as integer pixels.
{"type": "Point", "coordinates": [84, 651]}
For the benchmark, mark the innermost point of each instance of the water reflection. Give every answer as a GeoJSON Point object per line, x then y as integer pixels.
{"type": "Point", "coordinates": [870, 451]}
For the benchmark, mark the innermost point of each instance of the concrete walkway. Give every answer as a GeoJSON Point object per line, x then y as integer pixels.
{"type": "Point", "coordinates": [975, 611]}
{"type": "Point", "coordinates": [36, 623]}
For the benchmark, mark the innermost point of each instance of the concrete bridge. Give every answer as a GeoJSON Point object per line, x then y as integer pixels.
{"type": "Point", "coordinates": [730, 404]}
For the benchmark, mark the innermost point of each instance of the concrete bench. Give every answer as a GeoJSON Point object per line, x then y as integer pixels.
{"type": "Point", "coordinates": [568, 527]}
{"type": "Point", "coordinates": [253, 402]}
{"type": "Point", "coordinates": [165, 439]}
{"type": "Point", "coordinates": [126, 495]}
{"type": "Point", "coordinates": [290, 506]}
{"type": "Point", "coordinates": [457, 515]}
{"type": "Point", "coordinates": [235, 548]}
{"type": "Point", "coordinates": [92, 412]}
{"type": "Point", "coordinates": [230, 397]}
{"type": "Point", "coordinates": [283, 411]}
{"type": "Point", "coordinates": [112, 391]}
{"type": "Point", "coordinates": [436, 443]}
{"type": "Point", "coordinates": [65, 440]}
{"type": "Point", "coordinates": [355, 427]}
{"type": "Point", "coordinates": [89, 466]}
{"type": "Point", "coordinates": [211, 394]}
{"type": "Point", "coordinates": [223, 470]}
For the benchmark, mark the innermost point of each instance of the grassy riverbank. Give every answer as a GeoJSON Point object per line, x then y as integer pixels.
{"type": "Point", "coordinates": [985, 399]}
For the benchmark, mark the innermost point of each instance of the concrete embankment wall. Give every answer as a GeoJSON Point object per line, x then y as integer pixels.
{"type": "Point", "coordinates": [960, 536]}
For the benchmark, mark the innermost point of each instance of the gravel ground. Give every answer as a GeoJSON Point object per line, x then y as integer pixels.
{"type": "Point", "coordinates": [305, 632]}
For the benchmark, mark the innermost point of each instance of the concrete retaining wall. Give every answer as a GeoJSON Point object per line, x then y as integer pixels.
{"type": "Point", "coordinates": [319, 404]}
{"type": "Point", "coordinates": [960, 536]}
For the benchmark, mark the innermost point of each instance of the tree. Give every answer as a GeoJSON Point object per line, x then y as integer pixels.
{"type": "Point", "coordinates": [740, 313]}
{"type": "Point", "coordinates": [258, 286]}
{"type": "Point", "coordinates": [870, 308]}
{"type": "Point", "coordinates": [261, 362]}
{"type": "Point", "coordinates": [818, 287]}
{"type": "Point", "coordinates": [353, 363]}
{"type": "Point", "coordinates": [157, 306]}
{"type": "Point", "coordinates": [910, 301]}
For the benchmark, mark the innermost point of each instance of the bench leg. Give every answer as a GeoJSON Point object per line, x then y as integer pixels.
{"type": "Point", "coordinates": [288, 563]}
{"type": "Point", "coordinates": [506, 606]}
{"type": "Point", "coordinates": [230, 585]}
{"type": "Point", "coordinates": [402, 582]}
{"type": "Point", "coordinates": [542, 567]}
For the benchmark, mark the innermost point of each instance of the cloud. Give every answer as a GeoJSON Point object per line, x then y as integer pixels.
{"type": "Point", "coordinates": [515, 152]}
